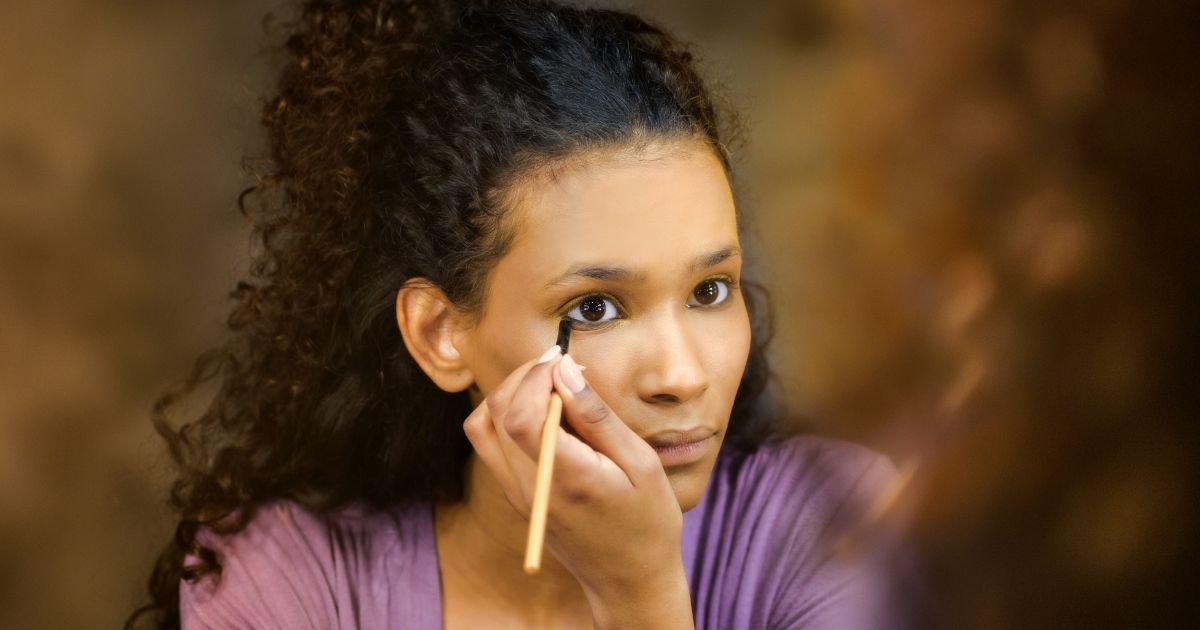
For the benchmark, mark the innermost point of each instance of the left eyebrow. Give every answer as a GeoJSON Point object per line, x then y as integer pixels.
{"type": "Point", "coordinates": [613, 273]}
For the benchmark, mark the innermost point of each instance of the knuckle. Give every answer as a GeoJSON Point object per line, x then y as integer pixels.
{"type": "Point", "coordinates": [646, 466]}
{"type": "Point", "coordinates": [516, 426]}
{"type": "Point", "coordinates": [495, 407]}
{"type": "Point", "coordinates": [537, 374]}
{"type": "Point", "coordinates": [574, 495]}
{"type": "Point", "coordinates": [596, 412]}
{"type": "Point", "coordinates": [519, 504]}
{"type": "Point", "coordinates": [576, 491]}
{"type": "Point", "coordinates": [520, 421]}
{"type": "Point", "coordinates": [645, 462]}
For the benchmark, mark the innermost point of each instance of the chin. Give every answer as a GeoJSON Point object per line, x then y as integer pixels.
{"type": "Point", "coordinates": [689, 483]}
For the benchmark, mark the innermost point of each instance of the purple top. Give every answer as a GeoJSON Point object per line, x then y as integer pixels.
{"type": "Point", "coordinates": [755, 552]}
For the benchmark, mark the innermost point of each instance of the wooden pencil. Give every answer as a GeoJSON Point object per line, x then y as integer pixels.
{"type": "Point", "coordinates": [545, 467]}
{"type": "Point", "coordinates": [541, 488]}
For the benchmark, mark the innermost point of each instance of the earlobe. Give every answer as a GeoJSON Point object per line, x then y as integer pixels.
{"type": "Point", "coordinates": [429, 324]}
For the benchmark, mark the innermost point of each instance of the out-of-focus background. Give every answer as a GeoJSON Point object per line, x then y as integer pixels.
{"type": "Point", "coordinates": [975, 217]}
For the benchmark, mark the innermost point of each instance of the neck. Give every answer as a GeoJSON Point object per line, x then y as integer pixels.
{"type": "Point", "coordinates": [481, 547]}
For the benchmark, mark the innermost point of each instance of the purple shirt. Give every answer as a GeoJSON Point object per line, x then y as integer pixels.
{"type": "Point", "coordinates": [755, 550]}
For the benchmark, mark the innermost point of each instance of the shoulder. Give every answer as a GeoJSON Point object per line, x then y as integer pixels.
{"type": "Point", "coordinates": [804, 472]}
{"type": "Point", "coordinates": [790, 489]}
{"type": "Point", "coordinates": [762, 540]}
{"type": "Point", "coordinates": [293, 568]}
{"type": "Point", "coordinates": [285, 529]}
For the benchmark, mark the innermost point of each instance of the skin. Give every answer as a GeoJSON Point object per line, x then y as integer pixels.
{"type": "Point", "coordinates": [666, 360]}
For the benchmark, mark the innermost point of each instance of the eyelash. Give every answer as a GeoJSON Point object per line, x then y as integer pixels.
{"type": "Point", "coordinates": [731, 285]}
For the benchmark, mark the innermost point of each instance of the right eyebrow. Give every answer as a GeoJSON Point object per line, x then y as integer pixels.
{"type": "Point", "coordinates": [611, 273]}
{"type": "Point", "coordinates": [616, 273]}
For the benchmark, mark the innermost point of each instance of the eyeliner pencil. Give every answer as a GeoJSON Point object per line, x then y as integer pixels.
{"type": "Point", "coordinates": [545, 466]}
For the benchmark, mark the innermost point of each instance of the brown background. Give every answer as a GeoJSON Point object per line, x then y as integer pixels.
{"type": "Point", "coordinates": [957, 281]}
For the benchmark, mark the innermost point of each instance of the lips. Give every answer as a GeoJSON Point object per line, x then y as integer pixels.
{"type": "Point", "coordinates": [680, 447]}
{"type": "Point", "coordinates": [677, 437]}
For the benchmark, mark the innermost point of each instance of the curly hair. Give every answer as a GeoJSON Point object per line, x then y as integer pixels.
{"type": "Point", "coordinates": [396, 130]}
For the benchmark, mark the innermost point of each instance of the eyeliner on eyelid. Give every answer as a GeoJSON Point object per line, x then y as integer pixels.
{"type": "Point", "coordinates": [562, 312]}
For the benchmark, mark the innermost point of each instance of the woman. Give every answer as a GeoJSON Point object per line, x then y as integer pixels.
{"type": "Point", "coordinates": [446, 183]}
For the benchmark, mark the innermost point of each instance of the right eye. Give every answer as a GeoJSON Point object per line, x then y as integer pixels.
{"type": "Point", "coordinates": [594, 309]}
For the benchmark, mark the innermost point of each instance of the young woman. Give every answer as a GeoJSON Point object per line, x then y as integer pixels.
{"type": "Point", "coordinates": [446, 183]}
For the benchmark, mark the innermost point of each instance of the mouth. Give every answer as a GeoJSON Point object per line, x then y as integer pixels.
{"type": "Point", "coordinates": [679, 448]}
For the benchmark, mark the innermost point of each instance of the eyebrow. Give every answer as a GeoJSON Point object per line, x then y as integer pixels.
{"type": "Point", "coordinates": [613, 273]}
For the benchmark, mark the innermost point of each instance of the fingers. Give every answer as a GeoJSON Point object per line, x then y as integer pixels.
{"type": "Point", "coordinates": [528, 407]}
{"type": "Point", "coordinates": [507, 462]}
{"type": "Point", "coordinates": [498, 400]}
{"type": "Point", "coordinates": [581, 473]}
{"type": "Point", "coordinates": [524, 399]}
{"type": "Point", "coordinates": [482, 434]}
{"type": "Point", "coordinates": [506, 433]}
{"type": "Point", "coordinates": [596, 423]}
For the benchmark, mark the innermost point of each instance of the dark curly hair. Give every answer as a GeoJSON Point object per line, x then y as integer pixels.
{"type": "Point", "coordinates": [397, 128]}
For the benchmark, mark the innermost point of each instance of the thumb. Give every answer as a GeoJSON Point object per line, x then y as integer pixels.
{"type": "Point", "coordinates": [598, 425]}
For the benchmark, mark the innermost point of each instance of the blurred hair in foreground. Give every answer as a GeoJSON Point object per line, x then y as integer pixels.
{"type": "Point", "coordinates": [1026, 175]}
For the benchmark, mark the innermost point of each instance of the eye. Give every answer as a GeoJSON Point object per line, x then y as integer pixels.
{"type": "Point", "coordinates": [594, 309]}
{"type": "Point", "coordinates": [709, 293]}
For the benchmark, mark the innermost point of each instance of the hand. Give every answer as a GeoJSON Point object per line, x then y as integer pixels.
{"type": "Point", "coordinates": [614, 521]}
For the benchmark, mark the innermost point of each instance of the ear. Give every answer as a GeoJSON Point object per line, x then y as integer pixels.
{"type": "Point", "coordinates": [431, 329]}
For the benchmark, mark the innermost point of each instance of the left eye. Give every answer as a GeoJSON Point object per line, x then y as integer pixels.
{"type": "Point", "coordinates": [593, 310]}
{"type": "Point", "coordinates": [709, 293]}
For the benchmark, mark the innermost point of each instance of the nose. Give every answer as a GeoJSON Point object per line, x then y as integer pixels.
{"type": "Point", "coordinates": [672, 370]}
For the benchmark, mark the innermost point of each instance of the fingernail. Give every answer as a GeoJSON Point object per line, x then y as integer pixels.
{"type": "Point", "coordinates": [552, 352]}
{"type": "Point", "coordinates": [571, 375]}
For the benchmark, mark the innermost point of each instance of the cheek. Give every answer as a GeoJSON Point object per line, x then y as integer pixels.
{"type": "Point", "coordinates": [612, 374]}
{"type": "Point", "coordinates": [728, 357]}
{"type": "Point", "coordinates": [606, 354]}
{"type": "Point", "coordinates": [500, 346]}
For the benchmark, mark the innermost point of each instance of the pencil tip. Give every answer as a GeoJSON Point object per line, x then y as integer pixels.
{"type": "Point", "coordinates": [564, 334]}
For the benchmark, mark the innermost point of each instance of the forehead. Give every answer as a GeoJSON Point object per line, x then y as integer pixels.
{"type": "Point", "coordinates": [654, 210]}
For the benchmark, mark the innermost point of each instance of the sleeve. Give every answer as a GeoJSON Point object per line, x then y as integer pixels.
{"type": "Point", "coordinates": [275, 575]}
{"type": "Point", "coordinates": [829, 586]}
